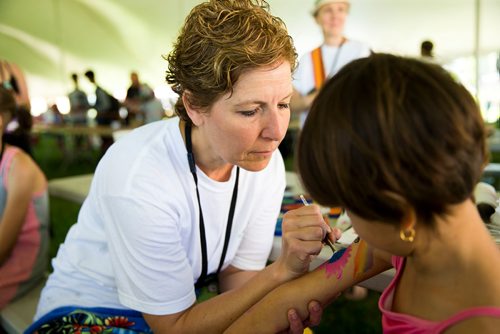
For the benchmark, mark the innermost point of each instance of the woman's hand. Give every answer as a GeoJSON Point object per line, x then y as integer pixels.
{"type": "Point", "coordinates": [303, 232]}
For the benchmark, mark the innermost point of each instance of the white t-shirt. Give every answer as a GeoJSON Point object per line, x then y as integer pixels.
{"type": "Point", "coordinates": [136, 244]}
{"type": "Point", "coordinates": [303, 78]}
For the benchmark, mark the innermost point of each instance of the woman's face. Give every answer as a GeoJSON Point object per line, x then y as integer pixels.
{"type": "Point", "coordinates": [245, 128]}
{"type": "Point", "coordinates": [331, 18]}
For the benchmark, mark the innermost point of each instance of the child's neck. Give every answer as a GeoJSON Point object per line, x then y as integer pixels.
{"type": "Point", "coordinates": [457, 269]}
{"type": "Point", "coordinates": [455, 240]}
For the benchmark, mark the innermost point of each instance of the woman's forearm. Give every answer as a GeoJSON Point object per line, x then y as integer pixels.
{"type": "Point", "coordinates": [218, 313]}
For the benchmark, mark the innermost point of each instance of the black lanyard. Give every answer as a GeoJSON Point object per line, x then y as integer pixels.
{"type": "Point", "coordinates": [336, 59]}
{"type": "Point", "coordinates": [203, 240]}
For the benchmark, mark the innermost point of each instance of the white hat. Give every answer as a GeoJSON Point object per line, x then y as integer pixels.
{"type": "Point", "coordinates": [320, 3]}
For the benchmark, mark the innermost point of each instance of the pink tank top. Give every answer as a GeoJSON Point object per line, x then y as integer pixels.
{"type": "Point", "coordinates": [393, 322]}
{"type": "Point", "coordinates": [29, 258]}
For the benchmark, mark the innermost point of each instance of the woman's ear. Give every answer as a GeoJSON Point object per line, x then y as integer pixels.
{"type": "Point", "coordinates": [195, 113]}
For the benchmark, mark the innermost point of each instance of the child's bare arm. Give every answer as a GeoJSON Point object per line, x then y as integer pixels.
{"type": "Point", "coordinates": [345, 268]}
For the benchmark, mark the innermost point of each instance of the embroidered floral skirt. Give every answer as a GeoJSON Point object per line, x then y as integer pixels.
{"type": "Point", "coordinates": [90, 320]}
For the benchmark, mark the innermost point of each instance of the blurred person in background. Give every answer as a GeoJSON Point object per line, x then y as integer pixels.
{"type": "Point", "coordinates": [18, 132]}
{"type": "Point", "coordinates": [54, 117]}
{"type": "Point", "coordinates": [142, 105]}
{"type": "Point", "coordinates": [12, 78]}
{"type": "Point", "coordinates": [320, 64]}
{"type": "Point", "coordinates": [78, 108]}
{"type": "Point", "coordinates": [427, 49]}
{"type": "Point", "coordinates": [427, 53]}
{"type": "Point", "coordinates": [133, 100]}
{"type": "Point", "coordinates": [24, 215]}
{"type": "Point", "coordinates": [151, 108]}
{"type": "Point", "coordinates": [107, 107]}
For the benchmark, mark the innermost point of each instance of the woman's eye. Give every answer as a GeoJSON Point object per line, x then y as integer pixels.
{"type": "Point", "coordinates": [284, 105]}
{"type": "Point", "coordinates": [248, 113]}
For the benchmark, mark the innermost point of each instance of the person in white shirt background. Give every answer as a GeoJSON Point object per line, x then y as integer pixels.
{"type": "Point", "coordinates": [336, 51]}
{"type": "Point", "coordinates": [320, 64]}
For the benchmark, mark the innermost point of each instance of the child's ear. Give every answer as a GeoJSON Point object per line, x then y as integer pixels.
{"type": "Point", "coordinates": [409, 220]}
{"type": "Point", "coordinates": [194, 112]}
{"type": "Point", "coordinates": [408, 224]}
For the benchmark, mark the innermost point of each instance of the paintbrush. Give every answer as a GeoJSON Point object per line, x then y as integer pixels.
{"type": "Point", "coordinates": [326, 240]}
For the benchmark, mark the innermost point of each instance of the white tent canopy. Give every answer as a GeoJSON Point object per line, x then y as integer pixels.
{"type": "Point", "coordinates": [50, 39]}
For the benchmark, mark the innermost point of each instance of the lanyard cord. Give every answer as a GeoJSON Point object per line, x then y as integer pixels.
{"type": "Point", "coordinates": [203, 240]}
{"type": "Point", "coordinates": [336, 59]}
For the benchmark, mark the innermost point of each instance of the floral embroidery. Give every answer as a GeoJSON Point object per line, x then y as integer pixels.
{"type": "Point", "coordinates": [80, 321]}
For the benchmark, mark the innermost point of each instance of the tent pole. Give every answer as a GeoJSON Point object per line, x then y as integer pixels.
{"type": "Point", "coordinates": [477, 29]}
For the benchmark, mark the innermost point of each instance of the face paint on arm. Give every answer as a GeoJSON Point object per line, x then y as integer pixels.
{"type": "Point", "coordinates": [363, 260]}
{"type": "Point", "coordinates": [335, 266]}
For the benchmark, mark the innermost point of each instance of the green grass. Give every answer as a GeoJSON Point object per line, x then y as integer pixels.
{"type": "Point", "coordinates": [342, 316]}
{"type": "Point", "coordinates": [348, 316]}
{"type": "Point", "coordinates": [56, 162]}
{"type": "Point", "coordinates": [63, 214]}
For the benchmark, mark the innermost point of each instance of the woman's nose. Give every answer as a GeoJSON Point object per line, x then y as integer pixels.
{"type": "Point", "coordinates": [275, 125]}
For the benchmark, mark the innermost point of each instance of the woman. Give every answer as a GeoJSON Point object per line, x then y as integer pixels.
{"type": "Point", "coordinates": [24, 219]}
{"type": "Point", "coordinates": [176, 201]}
{"type": "Point", "coordinates": [403, 161]}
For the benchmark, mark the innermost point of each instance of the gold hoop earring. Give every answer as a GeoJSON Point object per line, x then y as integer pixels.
{"type": "Point", "coordinates": [407, 235]}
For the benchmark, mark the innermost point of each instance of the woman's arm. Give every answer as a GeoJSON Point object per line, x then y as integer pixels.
{"type": "Point", "coordinates": [22, 180]}
{"type": "Point", "coordinates": [217, 313]}
{"type": "Point", "coordinates": [345, 268]}
{"type": "Point", "coordinates": [303, 230]}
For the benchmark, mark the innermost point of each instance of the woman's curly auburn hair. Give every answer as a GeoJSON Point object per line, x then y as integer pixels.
{"type": "Point", "coordinates": [221, 39]}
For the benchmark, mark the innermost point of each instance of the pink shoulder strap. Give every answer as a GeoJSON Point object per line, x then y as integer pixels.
{"type": "Point", "coordinates": [485, 311]}
{"type": "Point", "coordinates": [8, 155]}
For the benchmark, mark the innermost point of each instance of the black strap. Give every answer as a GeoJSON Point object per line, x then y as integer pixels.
{"type": "Point", "coordinates": [334, 64]}
{"type": "Point", "coordinates": [203, 240]}
{"type": "Point", "coordinates": [336, 59]}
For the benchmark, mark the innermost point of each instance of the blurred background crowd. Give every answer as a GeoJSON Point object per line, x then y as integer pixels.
{"type": "Point", "coordinates": [50, 39]}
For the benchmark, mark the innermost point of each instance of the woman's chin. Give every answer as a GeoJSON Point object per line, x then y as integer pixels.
{"type": "Point", "coordinates": [254, 166]}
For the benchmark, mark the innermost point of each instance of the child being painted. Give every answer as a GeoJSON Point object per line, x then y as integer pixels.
{"type": "Point", "coordinates": [400, 145]}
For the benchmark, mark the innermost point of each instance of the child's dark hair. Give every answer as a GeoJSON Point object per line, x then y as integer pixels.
{"type": "Point", "coordinates": [387, 133]}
